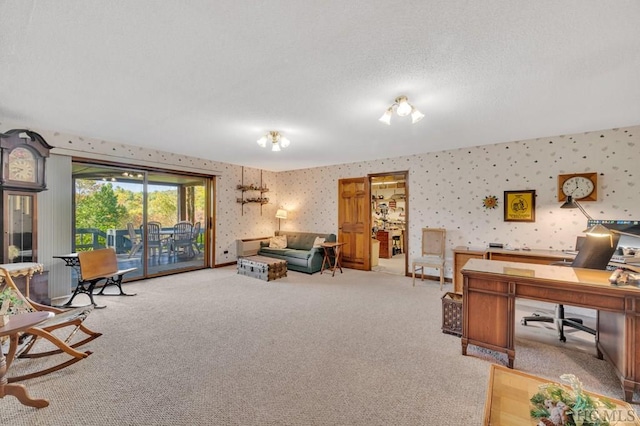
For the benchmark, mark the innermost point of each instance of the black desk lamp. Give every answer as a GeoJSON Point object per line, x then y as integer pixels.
{"type": "Point", "coordinates": [597, 230]}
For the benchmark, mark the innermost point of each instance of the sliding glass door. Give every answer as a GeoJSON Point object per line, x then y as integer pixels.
{"type": "Point", "coordinates": [155, 221]}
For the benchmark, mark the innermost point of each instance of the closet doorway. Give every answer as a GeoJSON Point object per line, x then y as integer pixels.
{"type": "Point", "coordinates": [389, 222]}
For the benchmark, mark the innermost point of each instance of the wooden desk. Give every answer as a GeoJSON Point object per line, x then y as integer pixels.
{"type": "Point", "coordinates": [508, 396]}
{"type": "Point", "coordinates": [491, 287]}
{"type": "Point", "coordinates": [16, 324]}
{"type": "Point", "coordinates": [540, 257]}
{"type": "Point", "coordinates": [332, 250]}
{"type": "Point", "coordinates": [101, 262]}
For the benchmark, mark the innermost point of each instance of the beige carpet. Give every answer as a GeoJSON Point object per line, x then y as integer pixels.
{"type": "Point", "coordinates": [215, 348]}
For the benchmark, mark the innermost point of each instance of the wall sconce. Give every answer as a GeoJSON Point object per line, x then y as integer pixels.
{"type": "Point", "coordinates": [402, 108]}
{"type": "Point", "coordinates": [276, 139]}
{"type": "Point", "coordinates": [281, 214]}
{"type": "Point", "coordinates": [597, 230]}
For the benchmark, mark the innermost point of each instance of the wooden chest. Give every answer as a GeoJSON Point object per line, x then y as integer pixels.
{"type": "Point", "coordinates": [262, 267]}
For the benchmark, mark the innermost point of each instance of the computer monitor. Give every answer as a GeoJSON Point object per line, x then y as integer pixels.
{"type": "Point", "coordinates": [626, 227]}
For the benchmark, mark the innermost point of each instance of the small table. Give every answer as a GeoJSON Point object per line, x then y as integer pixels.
{"type": "Point", "coordinates": [332, 250]}
{"type": "Point", "coordinates": [26, 269]}
{"type": "Point", "coordinates": [16, 324]}
{"type": "Point", "coordinates": [508, 396]}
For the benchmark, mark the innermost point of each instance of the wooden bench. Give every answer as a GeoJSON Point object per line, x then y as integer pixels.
{"type": "Point", "coordinates": [95, 266]}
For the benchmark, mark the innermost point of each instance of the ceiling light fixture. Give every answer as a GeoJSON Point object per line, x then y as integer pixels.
{"type": "Point", "coordinates": [276, 139]}
{"type": "Point", "coordinates": [402, 108]}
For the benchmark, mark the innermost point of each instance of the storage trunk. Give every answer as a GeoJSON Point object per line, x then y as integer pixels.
{"type": "Point", "coordinates": [262, 267]}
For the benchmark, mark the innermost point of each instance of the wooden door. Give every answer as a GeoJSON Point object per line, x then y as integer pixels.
{"type": "Point", "coordinates": [354, 222]}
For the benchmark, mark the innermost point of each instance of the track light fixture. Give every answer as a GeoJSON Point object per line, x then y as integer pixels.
{"type": "Point", "coordinates": [276, 139]}
{"type": "Point", "coordinates": [402, 108]}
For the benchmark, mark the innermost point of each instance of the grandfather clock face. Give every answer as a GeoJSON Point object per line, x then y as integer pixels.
{"type": "Point", "coordinates": [22, 165]}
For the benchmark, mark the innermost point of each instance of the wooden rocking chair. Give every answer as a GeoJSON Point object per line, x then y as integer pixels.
{"type": "Point", "coordinates": [60, 319]}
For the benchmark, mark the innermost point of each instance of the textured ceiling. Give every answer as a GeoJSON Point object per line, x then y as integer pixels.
{"type": "Point", "coordinates": [208, 78]}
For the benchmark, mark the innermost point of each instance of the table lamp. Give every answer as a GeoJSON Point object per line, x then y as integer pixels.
{"type": "Point", "coordinates": [281, 214]}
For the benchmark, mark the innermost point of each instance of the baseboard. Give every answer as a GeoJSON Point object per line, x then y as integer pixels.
{"type": "Point", "coordinates": [222, 265]}
{"type": "Point", "coordinates": [429, 277]}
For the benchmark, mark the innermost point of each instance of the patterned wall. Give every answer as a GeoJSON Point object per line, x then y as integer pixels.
{"type": "Point", "coordinates": [445, 188]}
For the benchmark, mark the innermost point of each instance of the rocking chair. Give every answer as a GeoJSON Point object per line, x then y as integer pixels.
{"type": "Point", "coordinates": [60, 319]}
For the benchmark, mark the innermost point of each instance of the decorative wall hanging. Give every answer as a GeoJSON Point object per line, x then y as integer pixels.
{"type": "Point", "coordinates": [490, 202]}
{"type": "Point", "coordinates": [520, 206]}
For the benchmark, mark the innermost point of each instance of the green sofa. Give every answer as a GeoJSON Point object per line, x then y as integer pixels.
{"type": "Point", "coordinates": [300, 254]}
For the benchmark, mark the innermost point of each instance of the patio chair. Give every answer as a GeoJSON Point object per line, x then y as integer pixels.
{"type": "Point", "coordinates": [182, 238]}
{"type": "Point", "coordinates": [136, 240]}
{"type": "Point", "coordinates": [61, 319]}
{"type": "Point", "coordinates": [194, 237]}
{"type": "Point", "coordinates": [155, 241]}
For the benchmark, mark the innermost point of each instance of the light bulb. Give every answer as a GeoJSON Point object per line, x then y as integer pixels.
{"type": "Point", "coordinates": [275, 147]}
{"type": "Point", "coordinates": [386, 117]}
{"type": "Point", "coordinates": [404, 108]}
{"type": "Point", "coordinates": [416, 116]}
{"type": "Point", "coordinates": [284, 142]}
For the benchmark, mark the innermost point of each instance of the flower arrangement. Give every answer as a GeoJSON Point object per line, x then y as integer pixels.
{"type": "Point", "coordinates": [13, 252]}
{"type": "Point", "coordinates": [556, 405]}
{"type": "Point", "coordinates": [9, 303]}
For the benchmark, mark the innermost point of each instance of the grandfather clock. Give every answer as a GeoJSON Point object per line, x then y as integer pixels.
{"type": "Point", "coordinates": [23, 154]}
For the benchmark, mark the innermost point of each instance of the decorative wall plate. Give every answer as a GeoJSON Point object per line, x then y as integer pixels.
{"type": "Point", "coordinates": [490, 202]}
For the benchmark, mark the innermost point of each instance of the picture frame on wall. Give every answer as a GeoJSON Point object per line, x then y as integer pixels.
{"type": "Point", "coordinates": [520, 206]}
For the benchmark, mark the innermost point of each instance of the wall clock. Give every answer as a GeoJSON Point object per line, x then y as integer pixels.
{"type": "Point", "coordinates": [23, 160]}
{"type": "Point", "coordinates": [581, 186]}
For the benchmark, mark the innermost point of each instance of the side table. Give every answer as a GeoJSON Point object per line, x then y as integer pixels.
{"type": "Point", "coordinates": [26, 269]}
{"type": "Point", "coordinates": [16, 324]}
{"type": "Point", "coordinates": [331, 250]}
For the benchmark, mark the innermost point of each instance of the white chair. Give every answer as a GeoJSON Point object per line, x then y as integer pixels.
{"type": "Point", "coordinates": [433, 243]}
{"type": "Point", "coordinates": [136, 240]}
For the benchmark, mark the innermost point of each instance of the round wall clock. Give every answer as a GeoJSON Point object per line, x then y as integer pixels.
{"type": "Point", "coordinates": [580, 186]}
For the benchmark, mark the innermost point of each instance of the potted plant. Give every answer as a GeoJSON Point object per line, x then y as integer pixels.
{"type": "Point", "coordinates": [556, 405]}
{"type": "Point", "coordinates": [9, 304]}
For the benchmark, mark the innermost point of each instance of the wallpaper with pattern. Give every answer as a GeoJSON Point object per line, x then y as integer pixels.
{"type": "Point", "coordinates": [445, 189]}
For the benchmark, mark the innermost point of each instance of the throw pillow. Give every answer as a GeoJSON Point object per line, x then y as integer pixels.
{"type": "Point", "coordinates": [278, 242]}
{"type": "Point", "coordinates": [318, 241]}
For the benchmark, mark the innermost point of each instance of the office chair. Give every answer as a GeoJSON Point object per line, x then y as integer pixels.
{"type": "Point", "coordinates": [595, 253]}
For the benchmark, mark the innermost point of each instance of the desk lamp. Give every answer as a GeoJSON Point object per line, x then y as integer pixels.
{"type": "Point", "coordinates": [597, 230]}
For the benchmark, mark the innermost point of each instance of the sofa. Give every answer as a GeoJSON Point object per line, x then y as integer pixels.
{"type": "Point", "coordinates": [299, 253]}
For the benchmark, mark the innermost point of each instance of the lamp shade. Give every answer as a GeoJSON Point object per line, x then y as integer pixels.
{"type": "Point", "coordinates": [281, 214]}
{"type": "Point", "coordinates": [416, 115]}
{"type": "Point", "coordinates": [386, 117]}
{"type": "Point", "coordinates": [403, 108]}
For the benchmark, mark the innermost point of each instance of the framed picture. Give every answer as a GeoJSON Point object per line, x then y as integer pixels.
{"type": "Point", "coordinates": [520, 206]}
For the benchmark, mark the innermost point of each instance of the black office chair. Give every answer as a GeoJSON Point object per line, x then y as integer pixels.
{"type": "Point", "coordinates": [595, 253]}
